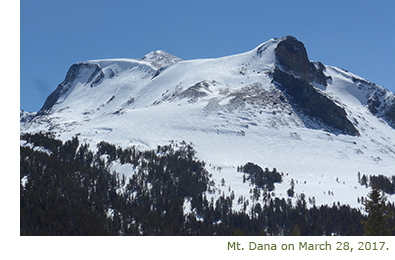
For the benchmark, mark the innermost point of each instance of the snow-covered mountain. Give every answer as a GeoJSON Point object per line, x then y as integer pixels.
{"type": "Point", "coordinates": [26, 116]}
{"type": "Point", "coordinates": [319, 125]}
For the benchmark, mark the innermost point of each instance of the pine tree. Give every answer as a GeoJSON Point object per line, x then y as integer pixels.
{"type": "Point", "coordinates": [295, 230]}
{"type": "Point", "coordinates": [238, 232]}
{"type": "Point", "coordinates": [377, 222]}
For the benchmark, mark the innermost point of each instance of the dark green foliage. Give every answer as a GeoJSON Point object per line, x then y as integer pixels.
{"type": "Point", "coordinates": [383, 183]}
{"type": "Point", "coordinates": [379, 214]}
{"type": "Point", "coordinates": [68, 190]}
{"type": "Point", "coordinates": [260, 178]}
{"type": "Point", "coordinates": [60, 197]}
{"type": "Point", "coordinates": [291, 190]}
{"type": "Point", "coordinates": [386, 184]}
{"type": "Point", "coordinates": [295, 230]}
{"type": "Point", "coordinates": [45, 140]}
{"type": "Point", "coordinates": [364, 180]}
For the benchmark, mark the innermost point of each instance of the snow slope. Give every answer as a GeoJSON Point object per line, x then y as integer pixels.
{"type": "Point", "coordinates": [232, 112]}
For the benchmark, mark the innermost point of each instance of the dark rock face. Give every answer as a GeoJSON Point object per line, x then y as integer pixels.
{"type": "Point", "coordinates": [161, 59]}
{"type": "Point", "coordinates": [97, 76]}
{"type": "Point", "coordinates": [310, 102]}
{"type": "Point", "coordinates": [379, 102]}
{"type": "Point", "coordinates": [195, 92]}
{"type": "Point", "coordinates": [73, 73]}
{"type": "Point", "coordinates": [294, 74]}
{"type": "Point", "coordinates": [25, 116]}
{"type": "Point", "coordinates": [316, 70]}
{"type": "Point", "coordinates": [382, 108]}
{"type": "Point", "coordinates": [292, 57]}
{"type": "Point", "coordinates": [51, 100]}
{"type": "Point", "coordinates": [389, 115]}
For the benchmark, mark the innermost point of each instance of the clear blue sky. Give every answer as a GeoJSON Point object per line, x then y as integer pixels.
{"type": "Point", "coordinates": [358, 36]}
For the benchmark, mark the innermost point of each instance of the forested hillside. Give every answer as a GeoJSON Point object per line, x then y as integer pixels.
{"type": "Point", "coordinates": [66, 189]}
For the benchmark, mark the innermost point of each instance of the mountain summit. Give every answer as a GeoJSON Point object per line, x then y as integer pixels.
{"type": "Point", "coordinates": [271, 106]}
{"type": "Point", "coordinates": [160, 58]}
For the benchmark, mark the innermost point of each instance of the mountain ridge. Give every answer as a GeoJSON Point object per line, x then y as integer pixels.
{"type": "Point", "coordinates": [270, 105]}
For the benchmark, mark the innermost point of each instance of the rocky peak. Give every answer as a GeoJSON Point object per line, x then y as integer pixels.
{"type": "Point", "coordinates": [294, 74]}
{"type": "Point", "coordinates": [160, 58]}
{"type": "Point", "coordinates": [291, 57]}
{"type": "Point", "coordinates": [75, 72]}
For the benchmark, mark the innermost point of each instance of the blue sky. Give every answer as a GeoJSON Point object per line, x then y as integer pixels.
{"type": "Point", "coordinates": [355, 35]}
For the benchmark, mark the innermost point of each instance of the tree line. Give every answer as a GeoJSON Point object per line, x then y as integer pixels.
{"type": "Point", "coordinates": [384, 183]}
{"type": "Point", "coordinates": [72, 191]}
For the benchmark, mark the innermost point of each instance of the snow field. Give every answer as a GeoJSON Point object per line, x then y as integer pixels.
{"type": "Point", "coordinates": [133, 108]}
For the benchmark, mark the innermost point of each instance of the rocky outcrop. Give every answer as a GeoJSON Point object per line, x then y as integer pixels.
{"type": "Point", "coordinates": [197, 91]}
{"type": "Point", "coordinates": [291, 56]}
{"type": "Point", "coordinates": [390, 114]}
{"type": "Point", "coordinates": [307, 100]}
{"type": "Point", "coordinates": [380, 102]}
{"type": "Point", "coordinates": [96, 74]}
{"type": "Point", "coordinates": [316, 71]}
{"type": "Point", "coordinates": [294, 75]}
{"type": "Point", "coordinates": [25, 116]}
{"type": "Point", "coordinates": [159, 59]}
{"type": "Point", "coordinates": [383, 108]}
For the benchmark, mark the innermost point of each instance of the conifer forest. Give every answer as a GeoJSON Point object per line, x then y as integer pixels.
{"type": "Point", "coordinates": [68, 189]}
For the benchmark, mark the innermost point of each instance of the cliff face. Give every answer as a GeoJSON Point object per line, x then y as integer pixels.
{"type": "Point", "coordinates": [379, 102]}
{"type": "Point", "coordinates": [77, 70]}
{"type": "Point", "coordinates": [291, 56]}
{"type": "Point", "coordinates": [308, 101]}
{"type": "Point", "coordinates": [294, 75]}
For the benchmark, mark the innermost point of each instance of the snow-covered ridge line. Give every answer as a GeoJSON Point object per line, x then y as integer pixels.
{"type": "Point", "coordinates": [234, 111]}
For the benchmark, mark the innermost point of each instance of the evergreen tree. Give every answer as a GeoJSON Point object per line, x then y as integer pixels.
{"type": "Point", "coordinates": [70, 191]}
{"type": "Point", "coordinates": [379, 215]}
{"type": "Point", "coordinates": [295, 230]}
